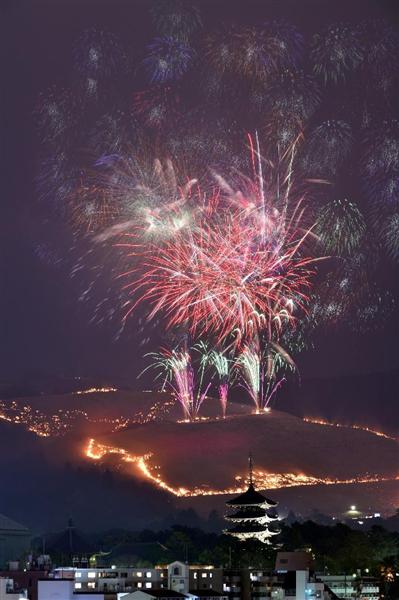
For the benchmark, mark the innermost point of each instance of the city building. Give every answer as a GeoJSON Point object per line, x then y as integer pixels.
{"type": "Point", "coordinates": [26, 579]}
{"type": "Point", "coordinates": [14, 541]}
{"type": "Point", "coordinates": [352, 586]}
{"type": "Point", "coordinates": [10, 591]}
{"type": "Point", "coordinates": [293, 578]}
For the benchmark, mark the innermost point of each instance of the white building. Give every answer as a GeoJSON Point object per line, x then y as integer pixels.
{"type": "Point", "coordinates": [352, 586]}
{"type": "Point", "coordinates": [8, 590]}
{"type": "Point", "coordinates": [292, 579]}
{"type": "Point", "coordinates": [62, 589]}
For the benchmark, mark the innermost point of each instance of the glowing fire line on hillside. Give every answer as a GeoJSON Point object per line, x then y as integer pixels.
{"type": "Point", "coordinates": [358, 427]}
{"type": "Point", "coordinates": [263, 480]}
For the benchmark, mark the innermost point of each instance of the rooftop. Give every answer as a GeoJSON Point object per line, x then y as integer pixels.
{"type": "Point", "coordinates": [7, 524]}
{"type": "Point", "coordinates": [250, 497]}
{"type": "Point", "coordinates": [162, 593]}
{"type": "Point", "coordinates": [206, 593]}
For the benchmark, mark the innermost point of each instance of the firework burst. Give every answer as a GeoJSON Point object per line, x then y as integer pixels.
{"type": "Point", "coordinates": [327, 148]}
{"type": "Point", "coordinates": [215, 280]}
{"type": "Point", "coordinates": [176, 18]}
{"type": "Point", "coordinates": [295, 94]}
{"type": "Point", "coordinates": [341, 227]}
{"type": "Point", "coordinates": [336, 52]}
{"type": "Point", "coordinates": [168, 59]}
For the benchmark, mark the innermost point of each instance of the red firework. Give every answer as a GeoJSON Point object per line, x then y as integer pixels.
{"type": "Point", "coordinates": [225, 276]}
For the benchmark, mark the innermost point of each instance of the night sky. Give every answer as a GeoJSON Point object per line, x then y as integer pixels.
{"type": "Point", "coordinates": [45, 329]}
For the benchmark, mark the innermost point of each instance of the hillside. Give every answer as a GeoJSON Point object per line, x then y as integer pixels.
{"type": "Point", "coordinates": [212, 454]}
{"type": "Point", "coordinates": [149, 465]}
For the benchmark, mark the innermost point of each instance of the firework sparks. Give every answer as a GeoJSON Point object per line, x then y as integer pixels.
{"type": "Point", "coordinates": [259, 372]}
{"type": "Point", "coordinates": [238, 270]}
{"type": "Point", "coordinates": [176, 365]}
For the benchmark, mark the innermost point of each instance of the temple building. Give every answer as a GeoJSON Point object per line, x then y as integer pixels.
{"type": "Point", "coordinates": [253, 516]}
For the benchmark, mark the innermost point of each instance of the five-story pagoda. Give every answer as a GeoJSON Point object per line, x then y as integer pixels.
{"type": "Point", "coordinates": [253, 514]}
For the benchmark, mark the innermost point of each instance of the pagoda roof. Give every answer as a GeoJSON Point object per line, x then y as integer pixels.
{"type": "Point", "coordinates": [272, 514]}
{"type": "Point", "coordinates": [247, 528]}
{"type": "Point", "coordinates": [250, 497]}
{"type": "Point", "coordinates": [254, 512]}
{"type": "Point", "coordinates": [274, 529]}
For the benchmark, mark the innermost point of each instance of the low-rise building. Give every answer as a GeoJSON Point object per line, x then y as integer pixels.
{"type": "Point", "coordinates": [10, 591]}
{"type": "Point", "coordinates": [352, 586]}
{"type": "Point", "coordinates": [292, 579]}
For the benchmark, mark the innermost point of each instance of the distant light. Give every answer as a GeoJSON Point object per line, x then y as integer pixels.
{"type": "Point", "coordinates": [113, 567]}
{"type": "Point", "coordinates": [353, 507]}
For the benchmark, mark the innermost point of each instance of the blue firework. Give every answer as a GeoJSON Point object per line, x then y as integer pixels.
{"type": "Point", "coordinates": [168, 59]}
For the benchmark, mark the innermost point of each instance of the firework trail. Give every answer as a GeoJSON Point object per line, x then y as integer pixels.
{"type": "Point", "coordinates": [259, 372]}
{"type": "Point", "coordinates": [222, 366]}
{"type": "Point", "coordinates": [179, 374]}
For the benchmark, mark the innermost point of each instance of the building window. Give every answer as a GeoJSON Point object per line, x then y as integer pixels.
{"type": "Point", "coordinates": [195, 575]}
{"type": "Point", "coordinates": [148, 584]}
{"type": "Point", "coordinates": [211, 575]}
{"type": "Point", "coordinates": [78, 586]}
{"type": "Point", "coordinates": [91, 584]}
{"type": "Point", "coordinates": [148, 574]}
{"type": "Point", "coordinates": [91, 574]}
{"type": "Point", "coordinates": [139, 584]}
{"type": "Point", "coordinates": [176, 571]}
{"type": "Point", "coordinates": [203, 575]}
{"type": "Point", "coordinates": [139, 574]}
{"type": "Point", "coordinates": [78, 575]}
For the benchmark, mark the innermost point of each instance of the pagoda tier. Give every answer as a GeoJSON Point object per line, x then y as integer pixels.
{"type": "Point", "coordinates": [251, 498]}
{"type": "Point", "coordinates": [253, 515]}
